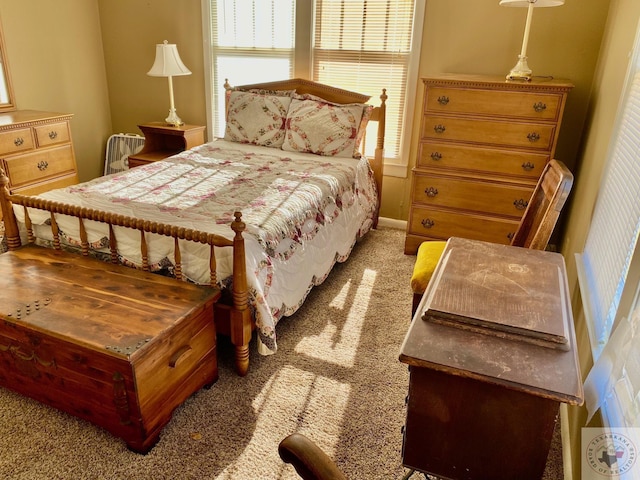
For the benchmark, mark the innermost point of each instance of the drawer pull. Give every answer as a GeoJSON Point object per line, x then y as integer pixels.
{"type": "Point", "coordinates": [427, 223]}
{"type": "Point", "coordinates": [443, 100]}
{"type": "Point", "coordinates": [533, 137]}
{"type": "Point", "coordinates": [53, 135]}
{"type": "Point", "coordinates": [439, 128]}
{"type": "Point", "coordinates": [510, 236]}
{"type": "Point", "coordinates": [527, 167]}
{"type": "Point", "coordinates": [521, 204]}
{"type": "Point", "coordinates": [18, 141]}
{"type": "Point", "coordinates": [436, 156]}
{"type": "Point", "coordinates": [431, 192]}
{"type": "Point", "coordinates": [539, 107]}
{"type": "Point", "coordinates": [42, 166]}
{"type": "Point", "coordinates": [181, 352]}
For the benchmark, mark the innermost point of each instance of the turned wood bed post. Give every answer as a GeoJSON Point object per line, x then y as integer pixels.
{"type": "Point", "coordinates": [241, 322]}
{"type": "Point", "coordinates": [377, 163]}
{"type": "Point", "coordinates": [11, 231]}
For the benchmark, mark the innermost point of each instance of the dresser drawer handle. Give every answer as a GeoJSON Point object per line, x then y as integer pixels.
{"type": "Point", "coordinates": [539, 107]}
{"type": "Point", "coordinates": [533, 137]}
{"type": "Point", "coordinates": [436, 156]}
{"type": "Point", "coordinates": [427, 223]}
{"type": "Point", "coordinates": [521, 204]}
{"type": "Point", "coordinates": [42, 166]}
{"type": "Point", "coordinates": [53, 135]}
{"type": "Point", "coordinates": [510, 236]}
{"type": "Point", "coordinates": [431, 192]}
{"type": "Point", "coordinates": [18, 141]}
{"type": "Point", "coordinates": [528, 166]}
{"type": "Point", "coordinates": [443, 100]}
{"type": "Point", "coordinates": [439, 128]}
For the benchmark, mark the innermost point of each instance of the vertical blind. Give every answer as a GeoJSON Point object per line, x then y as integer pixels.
{"type": "Point", "coordinates": [365, 46]}
{"type": "Point", "coordinates": [607, 270]}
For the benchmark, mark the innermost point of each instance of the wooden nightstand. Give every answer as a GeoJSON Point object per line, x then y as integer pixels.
{"type": "Point", "coordinates": [162, 141]}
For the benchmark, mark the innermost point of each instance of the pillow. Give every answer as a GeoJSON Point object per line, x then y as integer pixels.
{"type": "Point", "coordinates": [256, 118]}
{"type": "Point", "coordinates": [323, 128]}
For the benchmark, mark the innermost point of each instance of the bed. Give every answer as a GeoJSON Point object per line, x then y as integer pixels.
{"type": "Point", "coordinates": [264, 213]}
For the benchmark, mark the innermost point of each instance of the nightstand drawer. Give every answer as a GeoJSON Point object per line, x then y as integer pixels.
{"type": "Point", "coordinates": [33, 167]}
{"type": "Point", "coordinates": [523, 105]}
{"type": "Point", "coordinates": [52, 134]}
{"type": "Point", "coordinates": [499, 162]}
{"type": "Point", "coordinates": [16, 141]}
{"type": "Point", "coordinates": [438, 224]}
{"type": "Point", "coordinates": [535, 136]}
{"type": "Point", "coordinates": [470, 194]}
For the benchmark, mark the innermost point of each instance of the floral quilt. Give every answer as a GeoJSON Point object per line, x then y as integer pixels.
{"type": "Point", "coordinates": [303, 213]}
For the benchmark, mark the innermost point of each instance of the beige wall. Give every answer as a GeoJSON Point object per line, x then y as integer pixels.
{"type": "Point", "coordinates": [55, 57]}
{"type": "Point", "coordinates": [90, 57]}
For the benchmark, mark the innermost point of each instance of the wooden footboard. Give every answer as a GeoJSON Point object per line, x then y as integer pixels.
{"type": "Point", "coordinates": [235, 319]}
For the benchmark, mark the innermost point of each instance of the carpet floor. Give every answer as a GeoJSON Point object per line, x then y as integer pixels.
{"type": "Point", "coordinates": [336, 378]}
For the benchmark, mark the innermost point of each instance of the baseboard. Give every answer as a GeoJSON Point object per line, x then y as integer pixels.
{"type": "Point", "coordinates": [392, 223]}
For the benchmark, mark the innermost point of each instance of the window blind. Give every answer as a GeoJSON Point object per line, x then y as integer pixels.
{"type": "Point", "coordinates": [365, 46]}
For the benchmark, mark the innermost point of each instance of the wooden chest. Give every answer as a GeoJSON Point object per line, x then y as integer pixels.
{"type": "Point", "coordinates": [483, 145]}
{"type": "Point", "coordinates": [118, 347]}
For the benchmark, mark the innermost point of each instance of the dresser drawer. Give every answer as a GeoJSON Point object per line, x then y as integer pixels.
{"type": "Point", "coordinates": [49, 184]}
{"type": "Point", "coordinates": [499, 162]}
{"type": "Point", "coordinates": [534, 136]}
{"type": "Point", "coordinates": [16, 141]}
{"type": "Point", "coordinates": [52, 134]}
{"type": "Point", "coordinates": [522, 105]}
{"type": "Point", "coordinates": [471, 194]}
{"type": "Point", "coordinates": [39, 165]}
{"type": "Point", "coordinates": [432, 223]}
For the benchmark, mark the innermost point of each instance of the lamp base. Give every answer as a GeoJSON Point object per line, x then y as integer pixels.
{"type": "Point", "coordinates": [521, 71]}
{"type": "Point", "coordinates": [173, 119]}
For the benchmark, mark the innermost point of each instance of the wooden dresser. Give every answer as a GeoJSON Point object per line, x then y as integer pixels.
{"type": "Point", "coordinates": [483, 144]}
{"type": "Point", "coordinates": [36, 151]}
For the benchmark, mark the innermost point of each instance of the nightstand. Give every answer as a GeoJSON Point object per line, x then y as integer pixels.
{"type": "Point", "coordinates": [162, 141]}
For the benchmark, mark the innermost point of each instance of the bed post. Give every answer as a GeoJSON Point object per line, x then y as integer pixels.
{"type": "Point", "coordinates": [241, 326]}
{"type": "Point", "coordinates": [11, 231]}
{"type": "Point", "coordinates": [378, 159]}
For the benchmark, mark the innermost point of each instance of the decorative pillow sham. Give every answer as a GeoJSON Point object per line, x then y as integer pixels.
{"type": "Point", "coordinates": [317, 126]}
{"type": "Point", "coordinates": [256, 118]}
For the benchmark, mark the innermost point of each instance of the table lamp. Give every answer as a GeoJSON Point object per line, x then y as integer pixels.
{"type": "Point", "coordinates": [522, 71]}
{"type": "Point", "coordinates": [168, 64]}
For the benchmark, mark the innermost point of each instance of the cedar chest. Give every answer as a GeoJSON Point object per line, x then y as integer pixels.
{"type": "Point", "coordinates": [118, 347]}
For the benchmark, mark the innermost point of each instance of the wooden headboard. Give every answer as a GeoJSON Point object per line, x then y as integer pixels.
{"type": "Point", "coordinates": [342, 96]}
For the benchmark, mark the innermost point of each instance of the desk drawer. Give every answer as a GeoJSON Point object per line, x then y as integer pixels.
{"type": "Point", "coordinates": [16, 141]}
{"type": "Point", "coordinates": [536, 136]}
{"type": "Point", "coordinates": [39, 165]}
{"type": "Point", "coordinates": [500, 162]}
{"type": "Point", "coordinates": [471, 194]}
{"type": "Point", "coordinates": [53, 134]}
{"type": "Point", "coordinates": [522, 105]}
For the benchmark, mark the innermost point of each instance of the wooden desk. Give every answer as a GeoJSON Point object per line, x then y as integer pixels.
{"type": "Point", "coordinates": [492, 354]}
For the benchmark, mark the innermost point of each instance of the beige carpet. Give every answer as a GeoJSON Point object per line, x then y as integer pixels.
{"type": "Point", "coordinates": [336, 378]}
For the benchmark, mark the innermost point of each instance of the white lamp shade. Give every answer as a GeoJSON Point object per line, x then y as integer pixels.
{"type": "Point", "coordinates": [168, 62]}
{"type": "Point", "coordinates": [536, 3]}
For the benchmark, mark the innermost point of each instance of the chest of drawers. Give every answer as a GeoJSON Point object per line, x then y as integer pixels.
{"type": "Point", "coordinates": [36, 151]}
{"type": "Point", "coordinates": [483, 144]}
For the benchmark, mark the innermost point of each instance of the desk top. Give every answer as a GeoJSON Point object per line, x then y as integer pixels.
{"type": "Point", "coordinates": [499, 314]}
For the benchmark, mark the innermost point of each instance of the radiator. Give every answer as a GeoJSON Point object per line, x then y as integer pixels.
{"type": "Point", "coordinates": [119, 147]}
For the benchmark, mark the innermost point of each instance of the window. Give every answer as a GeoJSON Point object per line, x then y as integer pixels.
{"type": "Point", "coordinates": [609, 269]}
{"type": "Point", "coordinates": [359, 45]}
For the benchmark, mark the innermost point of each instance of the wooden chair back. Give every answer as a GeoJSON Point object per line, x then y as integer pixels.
{"type": "Point", "coordinates": [543, 209]}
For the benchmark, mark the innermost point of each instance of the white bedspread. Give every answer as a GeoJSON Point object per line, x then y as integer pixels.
{"type": "Point", "coordinates": [303, 213]}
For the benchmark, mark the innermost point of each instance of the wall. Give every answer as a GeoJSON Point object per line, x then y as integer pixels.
{"type": "Point", "coordinates": [623, 20]}
{"type": "Point", "coordinates": [54, 51]}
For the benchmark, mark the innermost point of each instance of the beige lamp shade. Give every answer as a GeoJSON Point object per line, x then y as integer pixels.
{"type": "Point", "coordinates": [168, 64]}
{"type": "Point", "coordinates": [521, 71]}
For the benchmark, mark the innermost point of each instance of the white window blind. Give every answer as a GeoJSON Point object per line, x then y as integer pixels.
{"type": "Point", "coordinates": [609, 269]}
{"type": "Point", "coordinates": [365, 46]}
{"type": "Point", "coordinates": [252, 40]}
